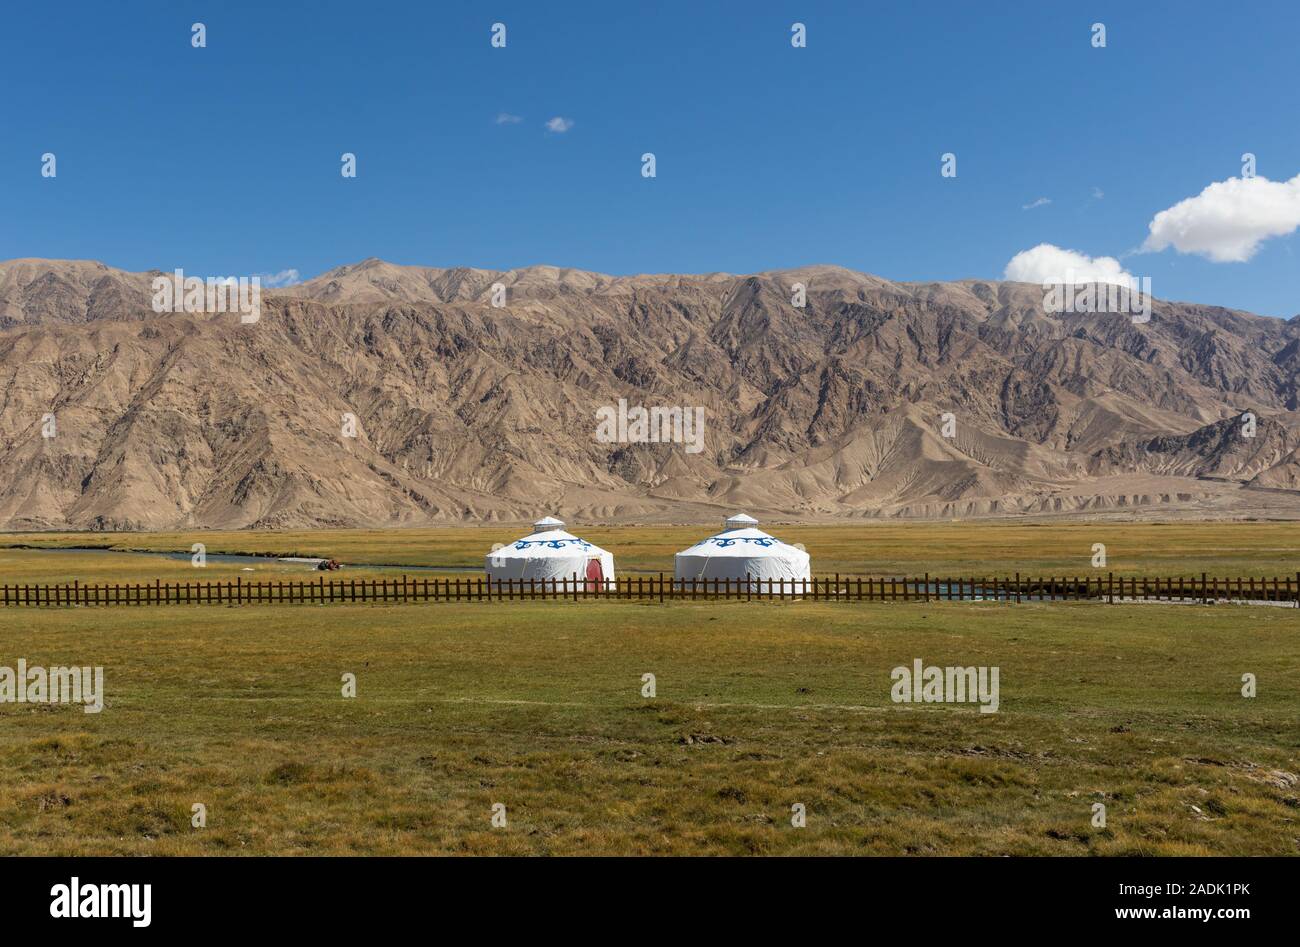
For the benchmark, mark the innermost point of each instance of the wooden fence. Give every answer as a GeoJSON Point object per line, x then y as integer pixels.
{"type": "Point", "coordinates": [1107, 588]}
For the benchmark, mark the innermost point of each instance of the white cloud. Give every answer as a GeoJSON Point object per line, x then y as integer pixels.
{"type": "Point", "coordinates": [1046, 263]}
{"type": "Point", "coordinates": [283, 278]}
{"type": "Point", "coordinates": [1228, 220]}
{"type": "Point", "coordinates": [505, 118]}
{"type": "Point", "coordinates": [1042, 201]}
{"type": "Point", "coordinates": [1098, 194]}
{"type": "Point", "coordinates": [559, 125]}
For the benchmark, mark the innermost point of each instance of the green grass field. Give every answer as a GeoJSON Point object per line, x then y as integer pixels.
{"type": "Point", "coordinates": [1245, 549]}
{"type": "Point", "coordinates": [538, 706]}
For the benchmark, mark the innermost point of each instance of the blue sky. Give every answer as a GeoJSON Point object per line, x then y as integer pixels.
{"type": "Point", "coordinates": [226, 160]}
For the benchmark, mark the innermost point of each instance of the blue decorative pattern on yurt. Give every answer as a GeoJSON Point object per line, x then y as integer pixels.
{"type": "Point", "coordinates": [551, 543]}
{"type": "Point", "coordinates": [723, 541]}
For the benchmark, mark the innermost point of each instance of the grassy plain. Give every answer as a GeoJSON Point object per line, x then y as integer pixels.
{"type": "Point", "coordinates": [1246, 549]}
{"type": "Point", "coordinates": [538, 706]}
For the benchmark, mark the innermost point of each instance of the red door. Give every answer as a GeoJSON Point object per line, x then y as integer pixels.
{"type": "Point", "coordinates": [594, 573]}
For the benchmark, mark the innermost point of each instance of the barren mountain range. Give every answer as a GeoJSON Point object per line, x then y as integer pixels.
{"type": "Point", "coordinates": [469, 412]}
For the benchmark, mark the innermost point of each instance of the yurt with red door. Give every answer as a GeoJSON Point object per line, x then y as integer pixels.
{"type": "Point", "coordinates": [549, 553]}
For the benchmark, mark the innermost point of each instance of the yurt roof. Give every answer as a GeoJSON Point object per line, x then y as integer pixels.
{"type": "Point", "coordinates": [547, 540]}
{"type": "Point", "coordinates": [748, 543]}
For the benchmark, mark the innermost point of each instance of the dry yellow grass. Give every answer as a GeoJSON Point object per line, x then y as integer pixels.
{"type": "Point", "coordinates": [1247, 549]}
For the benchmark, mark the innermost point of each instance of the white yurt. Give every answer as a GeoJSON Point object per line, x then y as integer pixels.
{"type": "Point", "coordinates": [547, 553]}
{"type": "Point", "coordinates": [741, 551]}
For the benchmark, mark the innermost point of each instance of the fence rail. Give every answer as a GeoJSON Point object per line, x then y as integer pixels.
{"type": "Point", "coordinates": [322, 591]}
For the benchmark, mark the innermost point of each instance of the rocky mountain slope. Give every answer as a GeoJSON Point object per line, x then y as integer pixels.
{"type": "Point", "coordinates": [469, 412]}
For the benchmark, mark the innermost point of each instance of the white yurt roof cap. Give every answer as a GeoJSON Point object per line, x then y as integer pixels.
{"type": "Point", "coordinates": [740, 521]}
{"type": "Point", "coordinates": [548, 522]}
